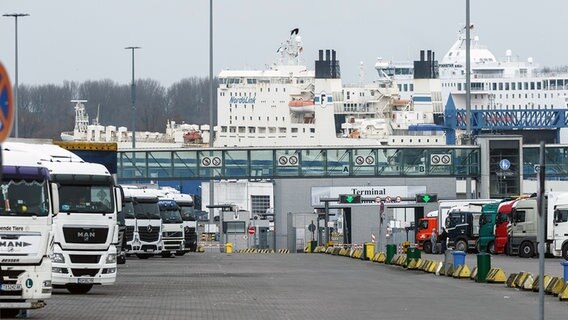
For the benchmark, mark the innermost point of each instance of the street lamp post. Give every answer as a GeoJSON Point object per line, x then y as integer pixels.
{"type": "Point", "coordinates": [16, 16]}
{"type": "Point", "coordinates": [133, 99]}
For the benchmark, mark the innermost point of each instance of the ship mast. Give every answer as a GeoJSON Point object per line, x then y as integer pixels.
{"type": "Point", "coordinates": [81, 117]}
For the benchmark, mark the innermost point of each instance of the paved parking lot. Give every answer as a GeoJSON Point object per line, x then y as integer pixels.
{"type": "Point", "coordinates": [290, 286]}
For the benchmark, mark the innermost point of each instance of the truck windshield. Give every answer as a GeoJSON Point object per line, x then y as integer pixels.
{"type": "Point", "coordinates": [86, 198]}
{"type": "Point", "coordinates": [128, 210]}
{"type": "Point", "coordinates": [187, 213]}
{"type": "Point", "coordinates": [23, 198]}
{"type": "Point", "coordinates": [453, 220]}
{"type": "Point", "coordinates": [561, 215]}
{"type": "Point", "coordinates": [147, 210]}
{"type": "Point", "coordinates": [170, 216]}
{"type": "Point", "coordinates": [422, 224]}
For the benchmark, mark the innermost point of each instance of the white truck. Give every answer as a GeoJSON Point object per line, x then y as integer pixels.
{"type": "Point", "coordinates": [525, 221]}
{"type": "Point", "coordinates": [186, 205]}
{"type": "Point", "coordinates": [131, 238]}
{"type": "Point", "coordinates": [85, 230]}
{"type": "Point", "coordinates": [172, 228]}
{"type": "Point", "coordinates": [29, 201]}
{"type": "Point", "coordinates": [147, 239]}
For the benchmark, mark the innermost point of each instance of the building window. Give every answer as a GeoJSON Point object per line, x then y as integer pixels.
{"type": "Point", "coordinates": [259, 204]}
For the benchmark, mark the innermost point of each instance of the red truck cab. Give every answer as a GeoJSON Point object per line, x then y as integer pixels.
{"type": "Point", "coordinates": [502, 225]}
{"type": "Point", "coordinates": [424, 233]}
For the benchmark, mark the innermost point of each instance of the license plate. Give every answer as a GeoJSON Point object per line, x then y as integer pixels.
{"type": "Point", "coordinates": [85, 280]}
{"type": "Point", "coordinates": [11, 287]}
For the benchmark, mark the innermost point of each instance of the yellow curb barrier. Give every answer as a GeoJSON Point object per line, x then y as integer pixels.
{"type": "Point", "coordinates": [440, 269]}
{"type": "Point", "coordinates": [528, 283]}
{"type": "Point", "coordinates": [551, 284]}
{"type": "Point", "coordinates": [521, 278]}
{"type": "Point", "coordinates": [535, 284]}
{"type": "Point", "coordinates": [450, 271]}
{"type": "Point", "coordinates": [342, 251]}
{"type": "Point", "coordinates": [511, 280]}
{"type": "Point", "coordinates": [382, 258]}
{"type": "Point", "coordinates": [496, 275]}
{"type": "Point", "coordinates": [563, 294]}
{"type": "Point", "coordinates": [473, 275]}
{"type": "Point", "coordinates": [432, 268]}
{"type": "Point", "coordinates": [558, 287]}
{"type": "Point", "coordinates": [412, 264]}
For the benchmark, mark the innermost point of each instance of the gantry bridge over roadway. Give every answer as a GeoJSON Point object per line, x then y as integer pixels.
{"type": "Point", "coordinates": [330, 162]}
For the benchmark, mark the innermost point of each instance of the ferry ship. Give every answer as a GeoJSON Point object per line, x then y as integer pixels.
{"type": "Point", "coordinates": [495, 84]}
{"type": "Point", "coordinates": [289, 105]}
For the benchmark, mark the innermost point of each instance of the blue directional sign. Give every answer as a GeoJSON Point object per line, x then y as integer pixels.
{"type": "Point", "coordinates": [504, 164]}
{"type": "Point", "coordinates": [6, 104]}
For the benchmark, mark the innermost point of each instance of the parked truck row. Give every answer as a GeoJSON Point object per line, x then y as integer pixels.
{"type": "Point", "coordinates": [499, 226]}
{"type": "Point", "coordinates": [65, 223]}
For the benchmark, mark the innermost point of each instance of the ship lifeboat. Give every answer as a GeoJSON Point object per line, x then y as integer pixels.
{"type": "Point", "coordinates": [192, 137]}
{"type": "Point", "coordinates": [301, 105]}
{"type": "Point", "coordinates": [401, 102]}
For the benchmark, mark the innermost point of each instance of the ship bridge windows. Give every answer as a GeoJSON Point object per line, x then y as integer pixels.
{"type": "Point", "coordinates": [241, 129]}
{"type": "Point", "coordinates": [252, 129]}
{"type": "Point", "coordinates": [500, 86]}
{"type": "Point", "coordinates": [507, 86]}
{"type": "Point", "coordinates": [539, 85]}
{"type": "Point", "coordinates": [282, 130]}
{"type": "Point", "coordinates": [532, 85]}
{"type": "Point", "coordinates": [224, 129]}
{"type": "Point", "coordinates": [494, 86]}
{"type": "Point", "coordinates": [232, 129]}
{"type": "Point", "coordinates": [251, 81]}
{"type": "Point", "coordinates": [271, 130]}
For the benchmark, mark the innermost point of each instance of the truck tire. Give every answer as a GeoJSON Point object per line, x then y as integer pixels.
{"type": "Point", "coordinates": [461, 245]}
{"type": "Point", "coordinates": [143, 255]}
{"type": "Point", "coordinates": [180, 253]}
{"type": "Point", "coordinates": [565, 251]}
{"type": "Point", "coordinates": [491, 247]}
{"type": "Point", "coordinates": [526, 250]}
{"type": "Point", "coordinates": [9, 313]}
{"type": "Point", "coordinates": [427, 246]}
{"type": "Point", "coordinates": [79, 288]}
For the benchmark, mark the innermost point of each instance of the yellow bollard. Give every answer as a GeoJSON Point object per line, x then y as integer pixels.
{"type": "Point", "coordinates": [229, 248]}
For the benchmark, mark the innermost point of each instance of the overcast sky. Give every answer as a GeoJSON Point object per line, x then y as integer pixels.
{"type": "Point", "coordinates": [80, 40]}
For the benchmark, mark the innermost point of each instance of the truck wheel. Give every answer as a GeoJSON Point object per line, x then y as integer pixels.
{"type": "Point", "coordinates": [461, 245]}
{"type": "Point", "coordinates": [79, 288]}
{"type": "Point", "coordinates": [121, 259]}
{"type": "Point", "coordinates": [491, 247]}
{"type": "Point", "coordinates": [180, 253]}
{"type": "Point", "coordinates": [565, 251]}
{"type": "Point", "coordinates": [526, 250]}
{"type": "Point", "coordinates": [166, 254]}
{"type": "Point", "coordinates": [427, 246]}
{"type": "Point", "coordinates": [9, 313]}
{"type": "Point", "coordinates": [143, 256]}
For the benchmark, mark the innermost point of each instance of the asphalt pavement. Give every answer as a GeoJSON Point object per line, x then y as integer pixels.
{"type": "Point", "coordinates": [291, 286]}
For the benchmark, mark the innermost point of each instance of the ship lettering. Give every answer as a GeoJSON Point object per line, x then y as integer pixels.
{"type": "Point", "coordinates": [242, 100]}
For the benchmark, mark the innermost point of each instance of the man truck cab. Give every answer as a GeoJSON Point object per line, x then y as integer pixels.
{"type": "Point", "coordinates": [85, 230]}
{"type": "Point", "coordinates": [28, 201]}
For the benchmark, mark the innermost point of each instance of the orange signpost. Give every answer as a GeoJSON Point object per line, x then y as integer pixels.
{"type": "Point", "coordinates": [6, 104]}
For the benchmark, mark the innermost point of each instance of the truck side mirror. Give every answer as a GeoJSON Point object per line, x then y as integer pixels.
{"type": "Point", "coordinates": [118, 195]}
{"type": "Point", "coordinates": [54, 199]}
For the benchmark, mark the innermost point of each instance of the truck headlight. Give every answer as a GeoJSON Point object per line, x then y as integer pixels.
{"type": "Point", "coordinates": [111, 258]}
{"type": "Point", "coordinates": [47, 283]}
{"type": "Point", "coordinates": [57, 258]}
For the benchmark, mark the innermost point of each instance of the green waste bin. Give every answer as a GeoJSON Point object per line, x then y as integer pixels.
{"type": "Point", "coordinates": [483, 266]}
{"type": "Point", "coordinates": [391, 250]}
{"type": "Point", "coordinates": [412, 252]}
{"type": "Point", "coordinates": [368, 251]}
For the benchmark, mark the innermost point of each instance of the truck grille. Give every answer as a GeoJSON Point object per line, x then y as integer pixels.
{"type": "Point", "coordinates": [85, 235]}
{"type": "Point", "coordinates": [149, 236]}
{"type": "Point", "coordinates": [129, 234]}
{"type": "Point", "coordinates": [173, 234]}
{"type": "Point", "coordinates": [84, 272]}
{"type": "Point", "coordinates": [76, 258]}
